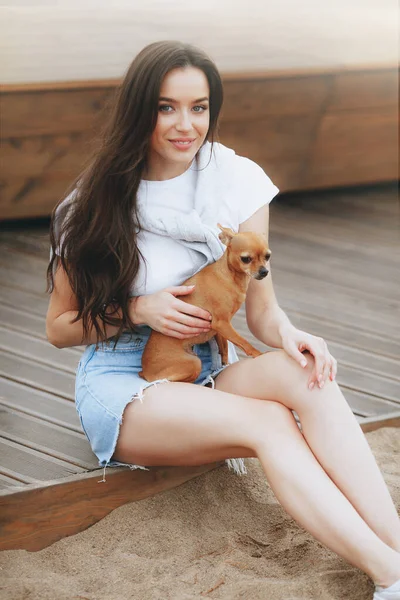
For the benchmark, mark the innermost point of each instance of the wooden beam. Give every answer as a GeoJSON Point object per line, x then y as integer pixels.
{"type": "Point", "coordinates": [37, 515]}
{"type": "Point", "coordinates": [388, 420]}
{"type": "Point", "coordinates": [308, 129]}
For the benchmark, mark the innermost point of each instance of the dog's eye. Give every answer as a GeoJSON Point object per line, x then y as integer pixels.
{"type": "Point", "coordinates": [246, 259]}
{"type": "Point", "coordinates": [267, 256]}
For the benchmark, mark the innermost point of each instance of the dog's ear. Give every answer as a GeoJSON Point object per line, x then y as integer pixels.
{"type": "Point", "coordinates": [226, 234]}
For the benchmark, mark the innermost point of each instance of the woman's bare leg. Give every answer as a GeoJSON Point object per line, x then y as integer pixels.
{"type": "Point", "coordinates": [330, 429]}
{"type": "Point", "coordinates": [184, 424]}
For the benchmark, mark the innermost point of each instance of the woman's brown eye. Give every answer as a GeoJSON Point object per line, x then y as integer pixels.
{"type": "Point", "coordinates": [246, 259]}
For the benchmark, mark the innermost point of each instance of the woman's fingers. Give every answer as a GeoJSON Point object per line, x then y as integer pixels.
{"type": "Point", "coordinates": [190, 314]}
{"type": "Point", "coordinates": [190, 321]}
{"type": "Point", "coordinates": [326, 371]}
{"type": "Point", "coordinates": [325, 366]}
{"type": "Point", "coordinates": [333, 369]}
{"type": "Point", "coordinates": [182, 325]}
{"type": "Point", "coordinates": [317, 374]}
{"type": "Point", "coordinates": [184, 331]}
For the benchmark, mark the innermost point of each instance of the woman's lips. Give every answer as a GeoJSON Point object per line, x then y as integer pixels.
{"type": "Point", "coordinates": [182, 145]}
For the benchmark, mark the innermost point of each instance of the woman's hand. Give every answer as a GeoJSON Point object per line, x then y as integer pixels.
{"type": "Point", "coordinates": [295, 341]}
{"type": "Point", "coordinates": [165, 313]}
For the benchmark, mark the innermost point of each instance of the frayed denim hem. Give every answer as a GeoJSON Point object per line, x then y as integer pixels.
{"type": "Point", "coordinates": [114, 463]}
{"type": "Point", "coordinates": [235, 464]}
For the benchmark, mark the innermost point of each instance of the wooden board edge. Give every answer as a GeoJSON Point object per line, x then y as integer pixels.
{"type": "Point", "coordinates": [387, 420]}
{"type": "Point", "coordinates": [267, 73]}
{"type": "Point", "coordinates": [35, 516]}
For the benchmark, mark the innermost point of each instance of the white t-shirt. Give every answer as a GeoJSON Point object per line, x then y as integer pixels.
{"type": "Point", "coordinates": [167, 260]}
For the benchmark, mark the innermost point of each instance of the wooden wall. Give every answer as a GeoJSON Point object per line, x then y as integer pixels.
{"type": "Point", "coordinates": [308, 129]}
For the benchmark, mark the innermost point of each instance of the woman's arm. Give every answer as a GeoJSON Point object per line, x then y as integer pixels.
{"type": "Point", "coordinates": [63, 308]}
{"type": "Point", "coordinates": [269, 324]}
{"type": "Point", "coordinates": [265, 319]}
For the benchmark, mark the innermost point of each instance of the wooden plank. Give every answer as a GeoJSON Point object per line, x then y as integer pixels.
{"type": "Point", "coordinates": [290, 138]}
{"type": "Point", "coordinates": [32, 304]}
{"type": "Point", "coordinates": [336, 303]}
{"type": "Point", "coordinates": [19, 320]}
{"type": "Point", "coordinates": [363, 90]}
{"type": "Point", "coordinates": [366, 361]}
{"type": "Point", "coordinates": [52, 112]}
{"type": "Point", "coordinates": [37, 403]}
{"type": "Point", "coordinates": [340, 257]}
{"type": "Point", "coordinates": [345, 230]}
{"type": "Point", "coordinates": [384, 254]}
{"type": "Point", "coordinates": [9, 482]}
{"type": "Point", "coordinates": [75, 503]}
{"type": "Point", "coordinates": [336, 268]}
{"type": "Point", "coordinates": [22, 237]}
{"type": "Point", "coordinates": [58, 154]}
{"type": "Point", "coordinates": [376, 422]}
{"type": "Point", "coordinates": [41, 351]}
{"type": "Point", "coordinates": [383, 353]}
{"type": "Point", "coordinates": [275, 96]}
{"type": "Point", "coordinates": [24, 262]}
{"type": "Point", "coordinates": [38, 196]}
{"type": "Point", "coordinates": [319, 126]}
{"type": "Point", "coordinates": [48, 438]}
{"type": "Point", "coordinates": [369, 383]}
{"type": "Point", "coordinates": [363, 404]}
{"type": "Point", "coordinates": [30, 282]}
{"type": "Point", "coordinates": [30, 465]}
{"type": "Point", "coordinates": [316, 71]}
{"type": "Point", "coordinates": [42, 377]}
{"type": "Point", "coordinates": [350, 147]}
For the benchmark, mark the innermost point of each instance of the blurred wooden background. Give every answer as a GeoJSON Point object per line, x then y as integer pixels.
{"type": "Point", "coordinates": [307, 128]}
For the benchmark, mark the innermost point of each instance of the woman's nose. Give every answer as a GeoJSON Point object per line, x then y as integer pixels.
{"type": "Point", "coordinates": [184, 122]}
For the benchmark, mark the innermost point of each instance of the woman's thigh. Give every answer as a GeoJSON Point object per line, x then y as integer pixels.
{"type": "Point", "coordinates": [272, 376]}
{"type": "Point", "coordinates": [186, 424]}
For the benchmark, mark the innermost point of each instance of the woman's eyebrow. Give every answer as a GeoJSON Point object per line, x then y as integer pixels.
{"type": "Point", "coordinates": [172, 100]}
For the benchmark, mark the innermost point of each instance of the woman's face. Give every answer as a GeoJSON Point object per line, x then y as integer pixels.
{"type": "Point", "coordinates": [182, 123]}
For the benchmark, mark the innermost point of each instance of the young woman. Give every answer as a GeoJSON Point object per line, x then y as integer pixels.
{"type": "Point", "coordinates": [120, 251]}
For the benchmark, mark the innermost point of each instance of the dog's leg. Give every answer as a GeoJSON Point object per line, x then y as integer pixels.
{"type": "Point", "coordinates": [185, 369]}
{"type": "Point", "coordinates": [227, 331]}
{"type": "Point", "coordinates": [222, 347]}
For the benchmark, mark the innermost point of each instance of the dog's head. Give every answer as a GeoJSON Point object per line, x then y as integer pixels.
{"type": "Point", "coordinates": [248, 252]}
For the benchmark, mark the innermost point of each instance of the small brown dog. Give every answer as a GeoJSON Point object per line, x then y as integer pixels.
{"type": "Point", "coordinates": [220, 289]}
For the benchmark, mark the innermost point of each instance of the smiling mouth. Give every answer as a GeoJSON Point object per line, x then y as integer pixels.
{"type": "Point", "coordinates": [182, 145]}
{"type": "Point", "coordinates": [183, 142]}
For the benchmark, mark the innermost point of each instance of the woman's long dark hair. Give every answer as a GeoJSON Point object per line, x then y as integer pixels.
{"type": "Point", "coordinates": [97, 243]}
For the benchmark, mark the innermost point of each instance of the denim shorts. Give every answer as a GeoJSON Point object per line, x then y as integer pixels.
{"type": "Point", "coordinates": [107, 379]}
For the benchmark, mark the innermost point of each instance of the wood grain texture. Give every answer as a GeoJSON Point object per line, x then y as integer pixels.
{"type": "Point", "coordinates": [307, 129]}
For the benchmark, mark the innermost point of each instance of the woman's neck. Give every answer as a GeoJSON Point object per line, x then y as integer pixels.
{"type": "Point", "coordinates": [160, 170]}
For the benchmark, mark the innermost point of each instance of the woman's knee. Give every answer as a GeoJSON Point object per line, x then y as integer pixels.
{"type": "Point", "coordinates": [273, 423]}
{"type": "Point", "coordinates": [289, 372]}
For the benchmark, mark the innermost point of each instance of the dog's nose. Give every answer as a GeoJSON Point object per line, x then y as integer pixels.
{"type": "Point", "coordinates": [263, 272]}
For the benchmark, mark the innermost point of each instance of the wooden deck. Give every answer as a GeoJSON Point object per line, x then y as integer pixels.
{"type": "Point", "coordinates": [336, 271]}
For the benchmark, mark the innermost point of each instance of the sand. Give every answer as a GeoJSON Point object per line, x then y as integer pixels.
{"type": "Point", "coordinates": [219, 536]}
